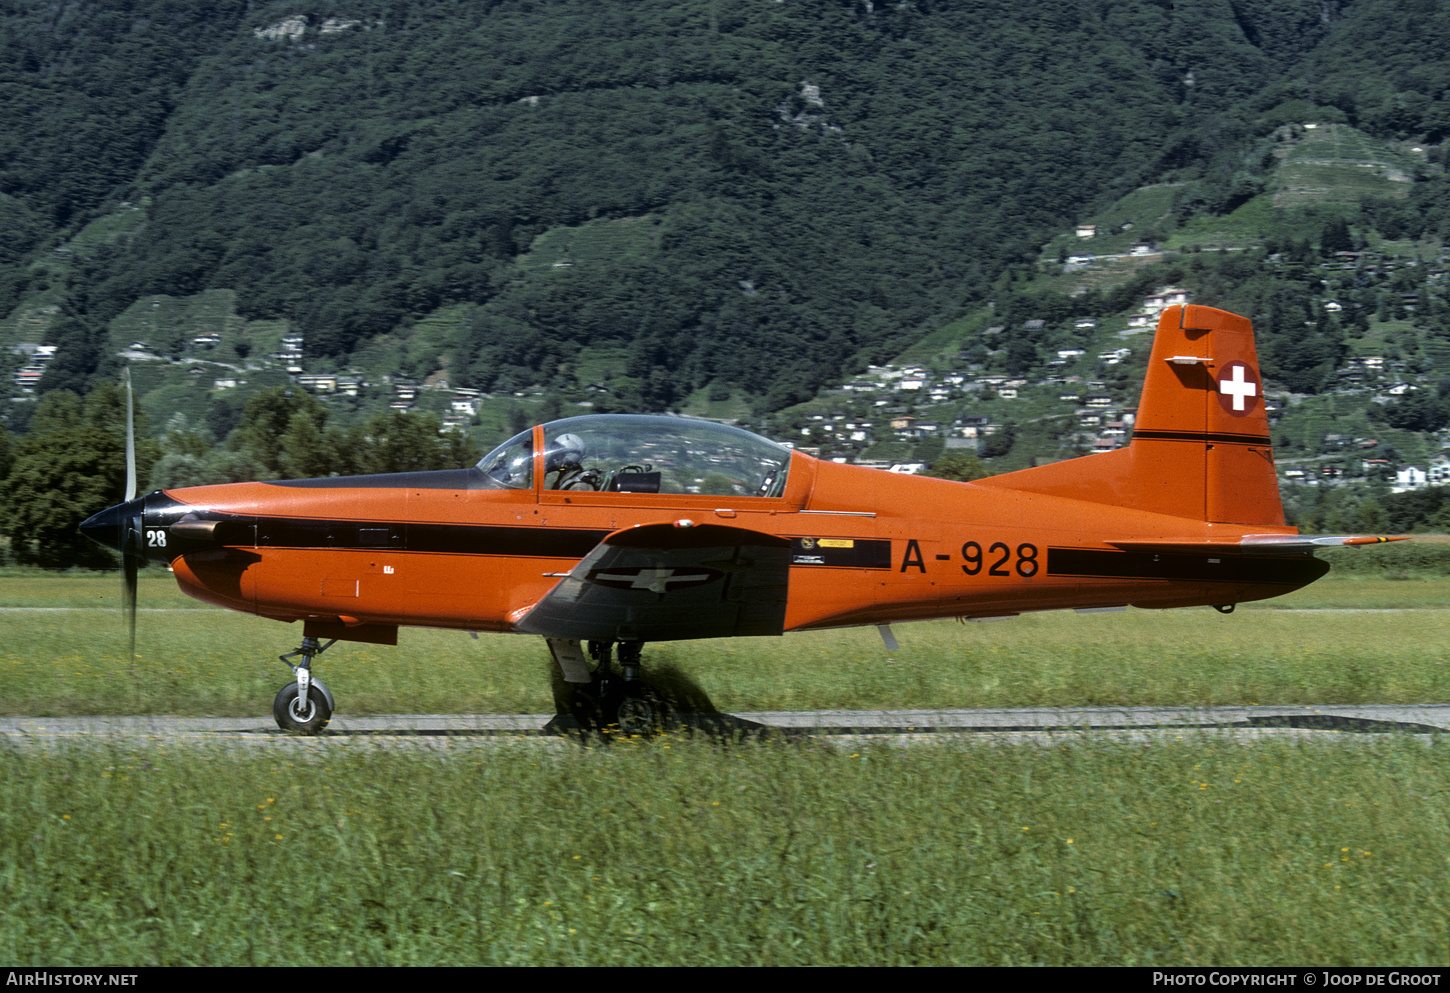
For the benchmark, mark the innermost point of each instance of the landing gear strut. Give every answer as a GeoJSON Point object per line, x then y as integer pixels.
{"type": "Point", "coordinates": [623, 698]}
{"type": "Point", "coordinates": [304, 706]}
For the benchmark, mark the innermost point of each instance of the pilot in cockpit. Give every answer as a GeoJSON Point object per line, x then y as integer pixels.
{"type": "Point", "coordinates": [564, 457]}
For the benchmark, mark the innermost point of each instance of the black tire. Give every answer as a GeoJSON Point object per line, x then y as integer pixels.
{"type": "Point", "coordinates": [302, 720]}
{"type": "Point", "coordinates": [614, 707]}
{"type": "Point", "coordinates": [593, 705]}
{"type": "Point", "coordinates": [639, 710]}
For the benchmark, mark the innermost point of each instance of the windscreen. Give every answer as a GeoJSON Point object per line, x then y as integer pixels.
{"type": "Point", "coordinates": [511, 465]}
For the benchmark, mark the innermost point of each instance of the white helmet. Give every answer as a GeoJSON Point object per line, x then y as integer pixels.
{"type": "Point", "coordinates": [565, 449]}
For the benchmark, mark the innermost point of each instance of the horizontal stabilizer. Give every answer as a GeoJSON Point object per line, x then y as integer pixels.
{"type": "Point", "coordinates": [668, 582]}
{"type": "Point", "coordinates": [1260, 544]}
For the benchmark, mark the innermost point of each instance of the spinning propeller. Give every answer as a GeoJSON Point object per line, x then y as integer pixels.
{"type": "Point", "coordinates": [120, 527]}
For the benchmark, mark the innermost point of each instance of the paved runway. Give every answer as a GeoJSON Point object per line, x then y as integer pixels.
{"type": "Point", "coordinates": [1053, 724]}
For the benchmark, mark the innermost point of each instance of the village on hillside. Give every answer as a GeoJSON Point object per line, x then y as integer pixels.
{"type": "Point", "coordinates": [892, 412]}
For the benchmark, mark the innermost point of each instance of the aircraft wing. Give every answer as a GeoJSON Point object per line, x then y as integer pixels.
{"type": "Point", "coordinates": [668, 582]}
{"type": "Point", "coordinates": [1263, 544]}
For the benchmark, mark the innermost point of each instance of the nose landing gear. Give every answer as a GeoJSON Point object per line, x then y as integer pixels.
{"type": "Point", "coordinates": [304, 706]}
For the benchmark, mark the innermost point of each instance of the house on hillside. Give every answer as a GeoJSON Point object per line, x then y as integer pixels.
{"type": "Point", "coordinates": [319, 382]}
{"type": "Point", "coordinates": [1171, 296]}
{"type": "Point", "coordinates": [1409, 478]}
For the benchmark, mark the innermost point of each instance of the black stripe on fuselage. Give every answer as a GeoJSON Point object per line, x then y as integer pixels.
{"type": "Point", "coordinates": [1204, 437]}
{"type": "Point", "coordinates": [455, 539]}
{"type": "Point", "coordinates": [1294, 570]}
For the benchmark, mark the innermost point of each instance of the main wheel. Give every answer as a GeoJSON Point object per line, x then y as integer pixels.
{"type": "Point", "coordinates": [634, 708]}
{"type": "Point", "coordinates": [294, 715]}
{"type": "Point", "coordinates": [595, 704]}
{"type": "Point", "coordinates": [639, 709]}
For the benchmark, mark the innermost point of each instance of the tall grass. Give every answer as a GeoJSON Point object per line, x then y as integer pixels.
{"type": "Point", "coordinates": [1196, 851]}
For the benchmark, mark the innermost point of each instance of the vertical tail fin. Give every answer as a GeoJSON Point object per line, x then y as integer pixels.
{"type": "Point", "coordinates": [1200, 446]}
{"type": "Point", "coordinates": [1202, 416]}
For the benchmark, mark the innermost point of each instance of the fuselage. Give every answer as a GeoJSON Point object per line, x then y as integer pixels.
{"type": "Point", "coordinates": [359, 556]}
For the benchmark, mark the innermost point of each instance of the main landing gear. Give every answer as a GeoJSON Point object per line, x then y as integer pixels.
{"type": "Point", "coordinates": [618, 699]}
{"type": "Point", "coordinates": [305, 705]}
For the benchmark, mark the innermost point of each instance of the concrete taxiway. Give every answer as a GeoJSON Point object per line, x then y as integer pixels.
{"type": "Point", "coordinates": [1023, 724]}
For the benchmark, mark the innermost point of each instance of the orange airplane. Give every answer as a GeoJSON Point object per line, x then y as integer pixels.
{"type": "Point", "coordinates": [612, 531]}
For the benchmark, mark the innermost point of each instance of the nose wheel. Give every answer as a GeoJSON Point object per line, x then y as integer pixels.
{"type": "Point", "coordinates": [304, 706]}
{"type": "Point", "coordinates": [301, 715]}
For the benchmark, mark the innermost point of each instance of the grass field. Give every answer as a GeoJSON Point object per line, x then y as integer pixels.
{"type": "Point", "coordinates": [683, 852]}
{"type": "Point", "coordinates": [1193, 850]}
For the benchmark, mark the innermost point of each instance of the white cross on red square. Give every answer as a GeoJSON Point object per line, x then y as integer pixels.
{"type": "Point", "coordinates": [1238, 387]}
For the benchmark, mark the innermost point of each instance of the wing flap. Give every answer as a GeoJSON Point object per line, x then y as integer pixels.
{"type": "Point", "coordinates": [669, 582]}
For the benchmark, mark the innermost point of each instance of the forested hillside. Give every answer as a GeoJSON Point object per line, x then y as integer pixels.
{"type": "Point", "coordinates": [821, 182]}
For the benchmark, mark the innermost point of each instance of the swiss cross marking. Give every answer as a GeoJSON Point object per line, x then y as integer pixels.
{"type": "Point", "coordinates": [1237, 388]}
{"type": "Point", "coordinates": [655, 580]}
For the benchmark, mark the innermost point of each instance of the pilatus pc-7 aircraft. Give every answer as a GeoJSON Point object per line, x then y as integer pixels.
{"type": "Point", "coordinates": [614, 531]}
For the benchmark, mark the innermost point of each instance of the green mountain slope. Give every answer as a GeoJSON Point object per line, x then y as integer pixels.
{"type": "Point", "coordinates": [828, 180]}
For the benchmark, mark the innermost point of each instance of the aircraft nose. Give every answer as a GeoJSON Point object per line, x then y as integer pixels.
{"type": "Point", "coordinates": [109, 527]}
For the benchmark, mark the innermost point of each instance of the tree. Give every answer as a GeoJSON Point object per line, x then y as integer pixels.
{"type": "Point", "coordinates": [1417, 410]}
{"type": "Point", "coordinates": [959, 466]}
{"type": "Point", "coordinates": [177, 469]}
{"type": "Point", "coordinates": [998, 444]}
{"type": "Point", "coordinates": [1335, 237]}
{"type": "Point", "coordinates": [304, 452]}
{"type": "Point", "coordinates": [7, 455]}
{"type": "Point", "coordinates": [71, 465]}
{"type": "Point", "coordinates": [183, 439]}
{"type": "Point", "coordinates": [1370, 516]}
{"type": "Point", "coordinates": [268, 416]}
{"type": "Point", "coordinates": [397, 441]}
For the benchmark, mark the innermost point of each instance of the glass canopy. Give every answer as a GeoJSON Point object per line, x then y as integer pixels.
{"type": "Point", "coordinates": [626, 453]}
